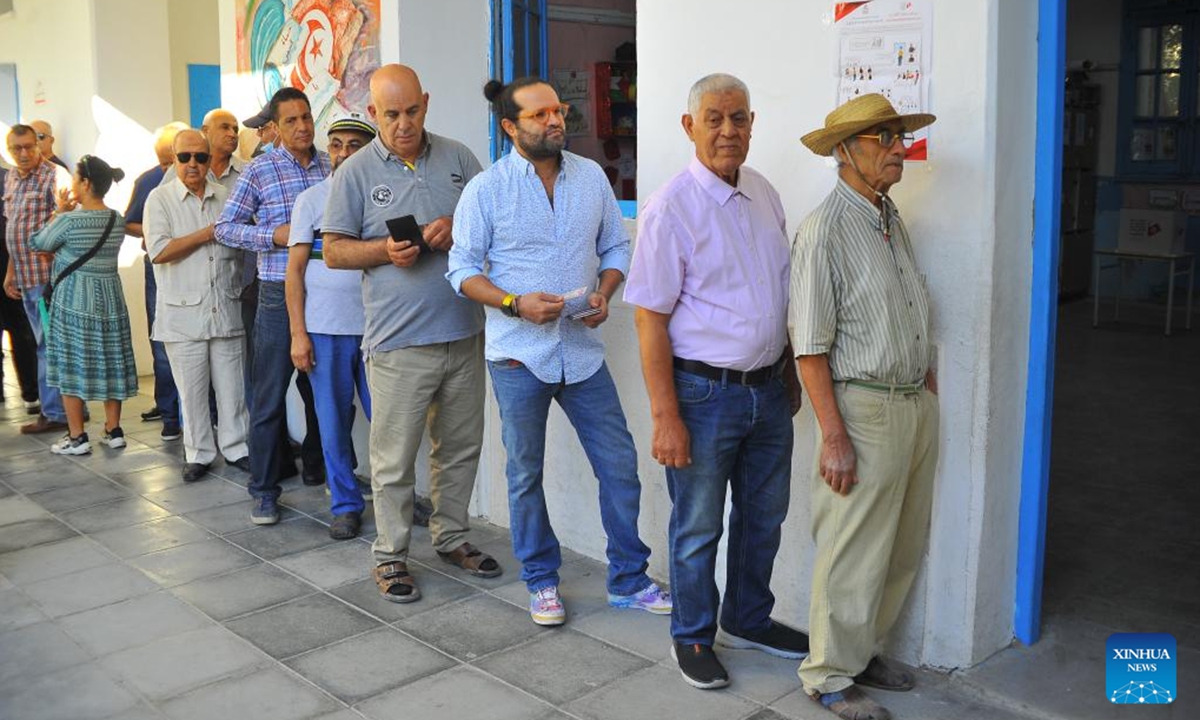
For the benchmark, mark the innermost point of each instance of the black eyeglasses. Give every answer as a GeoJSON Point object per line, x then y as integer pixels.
{"type": "Point", "coordinates": [186, 157]}
{"type": "Point", "coordinates": [887, 138]}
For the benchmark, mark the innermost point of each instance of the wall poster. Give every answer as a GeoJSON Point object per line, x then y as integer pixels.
{"type": "Point", "coordinates": [883, 46]}
{"type": "Point", "coordinates": [572, 88]}
{"type": "Point", "coordinates": [327, 48]}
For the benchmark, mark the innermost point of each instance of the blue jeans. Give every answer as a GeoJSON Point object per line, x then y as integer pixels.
{"type": "Point", "coordinates": [270, 375]}
{"type": "Point", "coordinates": [741, 437]}
{"type": "Point", "coordinates": [337, 372]}
{"type": "Point", "coordinates": [52, 405]}
{"type": "Point", "coordinates": [166, 395]}
{"type": "Point", "coordinates": [594, 410]}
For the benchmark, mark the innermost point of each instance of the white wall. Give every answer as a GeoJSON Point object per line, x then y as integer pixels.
{"type": "Point", "coordinates": [194, 36]}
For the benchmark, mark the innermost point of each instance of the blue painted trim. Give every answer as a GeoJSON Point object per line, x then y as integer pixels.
{"type": "Point", "coordinates": [1039, 394]}
{"type": "Point", "coordinates": [493, 149]}
{"type": "Point", "coordinates": [628, 208]}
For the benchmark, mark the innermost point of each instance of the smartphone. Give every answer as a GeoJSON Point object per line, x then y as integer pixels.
{"type": "Point", "coordinates": [406, 228]}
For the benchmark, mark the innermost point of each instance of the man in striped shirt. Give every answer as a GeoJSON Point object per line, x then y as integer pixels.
{"type": "Point", "coordinates": [860, 329]}
{"type": "Point", "coordinates": [257, 217]}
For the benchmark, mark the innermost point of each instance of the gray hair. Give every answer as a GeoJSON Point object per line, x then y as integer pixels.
{"type": "Point", "coordinates": [715, 83]}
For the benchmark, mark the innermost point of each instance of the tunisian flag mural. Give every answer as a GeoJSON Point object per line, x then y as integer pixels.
{"type": "Point", "coordinates": [327, 48]}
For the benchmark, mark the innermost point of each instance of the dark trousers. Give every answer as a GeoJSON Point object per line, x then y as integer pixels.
{"type": "Point", "coordinates": [166, 395]}
{"type": "Point", "coordinates": [24, 347]}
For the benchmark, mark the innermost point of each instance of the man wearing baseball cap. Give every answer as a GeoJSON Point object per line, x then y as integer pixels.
{"type": "Point", "coordinates": [325, 311]}
{"type": "Point", "coordinates": [860, 330]}
{"type": "Point", "coordinates": [261, 124]}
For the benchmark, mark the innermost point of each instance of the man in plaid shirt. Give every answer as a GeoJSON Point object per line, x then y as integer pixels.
{"type": "Point", "coordinates": [29, 193]}
{"type": "Point", "coordinates": [257, 217]}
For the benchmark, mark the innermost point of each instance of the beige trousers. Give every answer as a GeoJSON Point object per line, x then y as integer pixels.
{"type": "Point", "coordinates": [196, 364]}
{"type": "Point", "coordinates": [870, 542]}
{"type": "Point", "coordinates": [437, 386]}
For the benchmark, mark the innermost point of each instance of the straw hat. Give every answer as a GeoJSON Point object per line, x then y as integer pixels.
{"type": "Point", "coordinates": [857, 115]}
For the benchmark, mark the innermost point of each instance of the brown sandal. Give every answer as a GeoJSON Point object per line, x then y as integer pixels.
{"type": "Point", "coordinates": [395, 576]}
{"type": "Point", "coordinates": [473, 560]}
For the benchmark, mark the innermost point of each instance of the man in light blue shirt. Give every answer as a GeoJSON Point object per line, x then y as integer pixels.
{"type": "Point", "coordinates": [532, 235]}
{"type": "Point", "coordinates": [325, 312]}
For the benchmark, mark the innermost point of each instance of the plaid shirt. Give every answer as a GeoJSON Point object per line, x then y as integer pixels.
{"type": "Point", "coordinates": [266, 192]}
{"type": "Point", "coordinates": [28, 203]}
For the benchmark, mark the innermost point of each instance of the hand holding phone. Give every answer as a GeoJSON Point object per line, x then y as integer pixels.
{"type": "Point", "coordinates": [406, 228]}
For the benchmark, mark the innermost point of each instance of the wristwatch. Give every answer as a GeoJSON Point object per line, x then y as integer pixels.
{"type": "Point", "coordinates": [509, 305]}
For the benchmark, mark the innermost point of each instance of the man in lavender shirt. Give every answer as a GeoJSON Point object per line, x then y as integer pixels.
{"type": "Point", "coordinates": [710, 282]}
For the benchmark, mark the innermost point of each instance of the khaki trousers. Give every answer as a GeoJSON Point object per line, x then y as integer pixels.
{"type": "Point", "coordinates": [870, 542]}
{"type": "Point", "coordinates": [441, 387]}
{"type": "Point", "coordinates": [196, 364]}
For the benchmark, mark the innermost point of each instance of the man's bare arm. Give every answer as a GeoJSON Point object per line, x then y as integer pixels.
{"type": "Point", "coordinates": [671, 443]}
{"type": "Point", "coordinates": [293, 290]}
{"type": "Point", "coordinates": [347, 253]}
{"type": "Point", "coordinates": [838, 465]}
{"type": "Point", "coordinates": [184, 245]}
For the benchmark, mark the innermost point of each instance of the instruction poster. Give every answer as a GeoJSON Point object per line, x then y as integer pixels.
{"type": "Point", "coordinates": [883, 46]}
{"type": "Point", "coordinates": [572, 89]}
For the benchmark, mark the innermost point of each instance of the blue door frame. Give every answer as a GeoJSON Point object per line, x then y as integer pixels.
{"type": "Point", "coordinates": [1043, 315]}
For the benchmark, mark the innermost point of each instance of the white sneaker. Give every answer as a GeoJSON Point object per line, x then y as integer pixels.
{"type": "Point", "coordinates": [114, 438]}
{"type": "Point", "coordinates": [72, 445]}
{"type": "Point", "coordinates": [546, 608]}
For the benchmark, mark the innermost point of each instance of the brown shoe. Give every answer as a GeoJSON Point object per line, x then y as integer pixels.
{"type": "Point", "coordinates": [43, 424]}
{"type": "Point", "coordinates": [883, 676]}
{"type": "Point", "coordinates": [853, 704]}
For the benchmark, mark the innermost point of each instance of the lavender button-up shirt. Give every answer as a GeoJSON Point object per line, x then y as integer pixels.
{"type": "Point", "coordinates": [716, 259]}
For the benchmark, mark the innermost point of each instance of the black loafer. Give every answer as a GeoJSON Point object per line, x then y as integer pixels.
{"type": "Point", "coordinates": [195, 471]}
{"type": "Point", "coordinates": [242, 463]}
{"type": "Point", "coordinates": [699, 666]}
{"type": "Point", "coordinates": [313, 474]}
{"type": "Point", "coordinates": [345, 526]}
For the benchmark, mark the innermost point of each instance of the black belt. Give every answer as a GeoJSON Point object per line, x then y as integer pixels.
{"type": "Point", "coordinates": [735, 377]}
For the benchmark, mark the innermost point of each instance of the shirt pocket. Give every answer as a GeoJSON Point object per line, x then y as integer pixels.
{"type": "Point", "coordinates": [183, 299]}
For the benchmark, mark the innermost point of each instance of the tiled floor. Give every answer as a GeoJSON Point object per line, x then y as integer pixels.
{"type": "Point", "coordinates": [126, 594]}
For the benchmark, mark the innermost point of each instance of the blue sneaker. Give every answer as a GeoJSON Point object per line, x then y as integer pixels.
{"type": "Point", "coordinates": [652, 599]}
{"type": "Point", "coordinates": [265, 512]}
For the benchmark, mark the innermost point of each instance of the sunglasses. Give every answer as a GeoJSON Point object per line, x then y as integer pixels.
{"type": "Point", "coordinates": [543, 115]}
{"type": "Point", "coordinates": [84, 171]}
{"type": "Point", "coordinates": [186, 157]}
{"type": "Point", "coordinates": [887, 138]}
{"type": "Point", "coordinates": [42, 136]}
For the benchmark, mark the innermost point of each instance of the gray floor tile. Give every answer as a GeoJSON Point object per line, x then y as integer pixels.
{"type": "Point", "coordinates": [286, 538]}
{"type": "Point", "coordinates": [475, 627]}
{"type": "Point", "coordinates": [191, 497]}
{"type": "Point", "coordinates": [150, 537]}
{"type": "Point", "coordinates": [83, 495]}
{"type": "Point", "coordinates": [455, 694]}
{"type": "Point", "coordinates": [341, 715]}
{"type": "Point", "coordinates": [39, 461]}
{"type": "Point", "coordinates": [562, 666]}
{"type": "Point", "coordinates": [12, 444]}
{"type": "Point", "coordinates": [658, 692]}
{"type": "Point", "coordinates": [150, 480]}
{"type": "Point", "coordinates": [131, 459]}
{"type": "Point", "coordinates": [307, 499]}
{"type": "Point", "coordinates": [269, 694]}
{"type": "Point", "coordinates": [36, 650]}
{"type": "Point", "coordinates": [437, 590]}
{"type": "Point", "coordinates": [235, 518]}
{"type": "Point", "coordinates": [496, 545]}
{"type": "Point", "coordinates": [17, 509]}
{"type": "Point", "coordinates": [333, 565]}
{"type": "Point", "coordinates": [582, 585]}
{"type": "Point", "coordinates": [758, 676]}
{"type": "Point", "coordinates": [122, 513]}
{"type": "Point", "coordinates": [50, 475]}
{"type": "Point", "coordinates": [369, 664]}
{"type": "Point", "coordinates": [633, 630]}
{"type": "Point", "coordinates": [131, 623]}
{"type": "Point", "coordinates": [183, 564]}
{"type": "Point", "coordinates": [769, 714]}
{"type": "Point", "coordinates": [17, 611]}
{"type": "Point", "coordinates": [89, 589]}
{"type": "Point", "coordinates": [173, 665]}
{"type": "Point", "coordinates": [242, 591]}
{"type": "Point", "coordinates": [301, 625]}
{"type": "Point", "coordinates": [30, 533]}
{"type": "Point", "coordinates": [52, 560]}
{"type": "Point", "coordinates": [6, 491]}
{"type": "Point", "coordinates": [83, 692]}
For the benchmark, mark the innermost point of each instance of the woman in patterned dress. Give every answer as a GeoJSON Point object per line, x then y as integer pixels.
{"type": "Point", "coordinates": [89, 355]}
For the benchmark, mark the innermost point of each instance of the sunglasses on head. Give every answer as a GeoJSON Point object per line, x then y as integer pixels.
{"type": "Point", "coordinates": [186, 157]}
{"type": "Point", "coordinates": [85, 171]}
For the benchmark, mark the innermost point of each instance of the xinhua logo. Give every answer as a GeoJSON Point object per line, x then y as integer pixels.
{"type": "Point", "coordinates": [1140, 668]}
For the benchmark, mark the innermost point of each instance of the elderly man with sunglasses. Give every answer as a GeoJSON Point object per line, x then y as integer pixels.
{"type": "Point", "coordinates": [860, 324]}
{"type": "Point", "coordinates": [198, 316]}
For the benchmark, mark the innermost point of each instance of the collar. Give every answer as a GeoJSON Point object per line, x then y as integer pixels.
{"type": "Point", "coordinates": [315, 155]}
{"type": "Point", "coordinates": [384, 154]}
{"type": "Point", "coordinates": [714, 186]}
{"type": "Point", "coordinates": [235, 165]}
{"type": "Point", "coordinates": [865, 207]}
{"type": "Point", "coordinates": [524, 166]}
{"type": "Point", "coordinates": [181, 191]}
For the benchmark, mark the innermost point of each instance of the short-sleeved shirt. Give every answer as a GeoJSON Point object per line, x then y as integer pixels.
{"type": "Point", "coordinates": [409, 306]}
{"type": "Point", "coordinates": [266, 192]}
{"type": "Point", "coordinates": [858, 296]}
{"type": "Point", "coordinates": [505, 226]}
{"type": "Point", "coordinates": [715, 258]}
{"type": "Point", "coordinates": [28, 203]}
{"type": "Point", "coordinates": [333, 302]}
{"type": "Point", "coordinates": [198, 295]}
{"type": "Point", "coordinates": [145, 182]}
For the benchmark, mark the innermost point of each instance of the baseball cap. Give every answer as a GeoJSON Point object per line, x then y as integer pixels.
{"type": "Point", "coordinates": [262, 118]}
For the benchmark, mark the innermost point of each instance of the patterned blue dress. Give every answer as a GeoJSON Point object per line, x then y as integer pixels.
{"type": "Point", "coordinates": [89, 354]}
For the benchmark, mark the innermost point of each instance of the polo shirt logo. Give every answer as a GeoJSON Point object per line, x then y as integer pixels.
{"type": "Point", "coordinates": [381, 195]}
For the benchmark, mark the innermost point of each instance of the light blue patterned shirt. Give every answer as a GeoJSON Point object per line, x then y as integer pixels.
{"type": "Point", "coordinates": [506, 229]}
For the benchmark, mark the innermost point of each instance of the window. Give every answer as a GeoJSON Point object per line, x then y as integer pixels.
{"type": "Point", "coordinates": [1160, 91]}
{"type": "Point", "coordinates": [519, 29]}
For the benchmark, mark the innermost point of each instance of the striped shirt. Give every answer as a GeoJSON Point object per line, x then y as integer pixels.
{"type": "Point", "coordinates": [266, 191]}
{"type": "Point", "coordinates": [857, 296]}
{"type": "Point", "coordinates": [28, 203]}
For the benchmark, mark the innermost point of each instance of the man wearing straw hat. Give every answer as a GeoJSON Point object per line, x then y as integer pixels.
{"type": "Point", "coordinates": [860, 327]}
